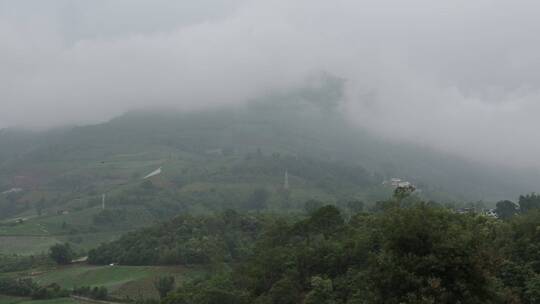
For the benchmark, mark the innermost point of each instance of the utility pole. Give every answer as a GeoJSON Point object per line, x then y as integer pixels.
{"type": "Point", "coordinates": [286, 183]}
{"type": "Point", "coordinates": [103, 201]}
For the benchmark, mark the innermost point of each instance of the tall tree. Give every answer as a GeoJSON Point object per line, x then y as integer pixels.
{"type": "Point", "coordinates": [430, 255]}
{"type": "Point", "coordinates": [529, 202]}
{"type": "Point", "coordinates": [61, 253]}
{"type": "Point", "coordinates": [312, 205]}
{"type": "Point", "coordinates": [164, 285]}
{"type": "Point", "coordinates": [506, 209]}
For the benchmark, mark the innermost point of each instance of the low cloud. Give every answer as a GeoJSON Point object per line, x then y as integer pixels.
{"type": "Point", "coordinates": [460, 76]}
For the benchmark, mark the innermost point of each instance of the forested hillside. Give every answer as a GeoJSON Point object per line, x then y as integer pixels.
{"type": "Point", "coordinates": [86, 184]}
{"type": "Point", "coordinates": [401, 252]}
{"type": "Point", "coordinates": [186, 240]}
{"type": "Point", "coordinates": [201, 147]}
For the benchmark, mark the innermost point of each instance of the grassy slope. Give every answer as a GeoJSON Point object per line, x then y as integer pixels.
{"type": "Point", "coordinates": [11, 300]}
{"type": "Point", "coordinates": [70, 169]}
{"type": "Point", "coordinates": [108, 276]}
{"type": "Point", "coordinates": [19, 300]}
{"type": "Point", "coordinates": [102, 157]}
{"type": "Point", "coordinates": [121, 281]}
{"type": "Point", "coordinates": [37, 234]}
{"type": "Point", "coordinates": [202, 183]}
{"type": "Point", "coordinates": [26, 245]}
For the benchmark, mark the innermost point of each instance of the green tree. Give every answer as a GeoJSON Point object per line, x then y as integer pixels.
{"type": "Point", "coordinates": [524, 243]}
{"type": "Point", "coordinates": [99, 293]}
{"type": "Point", "coordinates": [355, 206]}
{"type": "Point", "coordinates": [325, 220]}
{"type": "Point", "coordinates": [285, 291]}
{"type": "Point", "coordinates": [529, 202]}
{"type": "Point", "coordinates": [321, 292]}
{"type": "Point", "coordinates": [532, 291]}
{"type": "Point", "coordinates": [61, 253]}
{"type": "Point", "coordinates": [506, 209]}
{"type": "Point", "coordinates": [311, 205]}
{"type": "Point", "coordinates": [217, 296]}
{"type": "Point", "coordinates": [402, 192]}
{"type": "Point", "coordinates": [164, 285]}
{"type": "Point", "coordinates": [430, 255]}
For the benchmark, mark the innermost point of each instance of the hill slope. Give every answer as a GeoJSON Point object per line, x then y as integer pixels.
{"type": "Point", "coordinates": [213, 160]}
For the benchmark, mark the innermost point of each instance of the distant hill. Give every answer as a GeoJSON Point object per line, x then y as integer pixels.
{"type": "Point", "coordinates": [98, 157]}
{"type": "Point", "coordinates": [217, 159]}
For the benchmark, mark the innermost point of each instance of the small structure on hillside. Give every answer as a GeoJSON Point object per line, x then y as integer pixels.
{"type": "Point", "coordinates": [485, 212]}
{"type": "Point", "coordinates": [81, 260]}
{"type": "Point", "coordinates": [153, 173]}
{"type": "Point", "coordinates": [404, 185]}
{"type": "Point", "coordinates": [398, 183]}
{"type": "Point", "coordinates": [491, 213]}
{"type": "Point", "coordinates": [12, 190]}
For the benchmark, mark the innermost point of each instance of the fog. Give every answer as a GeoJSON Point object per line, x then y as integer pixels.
{"type": "Point", "coordinates": [461, 76]}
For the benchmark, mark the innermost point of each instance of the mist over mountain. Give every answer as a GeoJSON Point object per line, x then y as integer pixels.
{"type": "Point", "coordinates": [303, 123]}
{"type": "Point", "coordinates": [269, 151]}
{"type": "Point", "coordinates": [460, 77]}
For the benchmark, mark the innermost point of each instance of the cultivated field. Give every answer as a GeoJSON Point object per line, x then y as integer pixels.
{"type": "Point", "coordinates": [18, 300]}
{"type": "Point", "coordinates": [26, 245]}
{"type": "Point", "coordinates": [121, 281]}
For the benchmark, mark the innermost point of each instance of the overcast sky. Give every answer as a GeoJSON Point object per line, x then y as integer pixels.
{"type": "Point", "coordinates": [458, 75]}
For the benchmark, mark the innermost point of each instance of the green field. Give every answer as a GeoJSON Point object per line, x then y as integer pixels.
{"type": "Point", "coordinates": [51, 301]}
{"type": "Point", "coordinates": [19, 300]}
{"type": "Point", "coordinates": [10, 299]}
{"type": "Point", "coordinates": [31, 245]}
{"type": "Point", "coordinates": [26, 245]}
{"type": "Point", "coordinates": [121, 281]}
{"type": "Point", "coordinates": [37, 234]}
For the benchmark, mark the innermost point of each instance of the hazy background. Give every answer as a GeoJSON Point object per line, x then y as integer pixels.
{"type": "Point", "coordinates": [461, 76]}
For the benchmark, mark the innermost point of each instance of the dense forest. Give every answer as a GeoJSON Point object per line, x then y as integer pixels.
{"type": "Point", "coordinates": [298, 130]}
{"type": "Point", "coordinates": [397, 252]}
{"type": "Point", "coordinates": [271, 204]}
{"type": "Point", "coordinates": [185, 240]}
